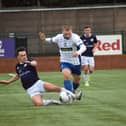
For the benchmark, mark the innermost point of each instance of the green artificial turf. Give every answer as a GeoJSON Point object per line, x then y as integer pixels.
{"type": "Point", "coordinates": [103, 103]}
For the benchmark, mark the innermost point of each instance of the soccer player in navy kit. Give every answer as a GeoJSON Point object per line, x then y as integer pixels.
{"type": "Point", "coordinates": [87, 58]}
{"type": "Point", "coordinates": [26, 71]}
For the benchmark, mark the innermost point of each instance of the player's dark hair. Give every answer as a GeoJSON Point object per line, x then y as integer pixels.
{"type": "Point", "coordinates": [87, 27]}
{"type": "Point", "coordinates": [19, 50]}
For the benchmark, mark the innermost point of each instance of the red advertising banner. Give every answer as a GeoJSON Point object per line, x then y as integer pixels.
{"type": "Point", "coordinates": [109, 45]}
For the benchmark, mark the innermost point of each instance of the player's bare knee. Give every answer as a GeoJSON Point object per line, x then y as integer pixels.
{"type": "Point", "coordinates": [67, 76]}
{"type": "Point", "coordinates": [66, 73]}
{"type": "Point", "coordinates": [91, 71]}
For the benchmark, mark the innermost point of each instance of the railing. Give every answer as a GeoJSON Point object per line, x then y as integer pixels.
{"type": "Point", "coordinates": [60, 9]}
{"type": "Point", "coordinates": [36, 47]}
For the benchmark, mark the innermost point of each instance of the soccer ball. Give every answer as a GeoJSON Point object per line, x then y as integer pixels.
{"type": "Point", "coordinates": [66, 97]}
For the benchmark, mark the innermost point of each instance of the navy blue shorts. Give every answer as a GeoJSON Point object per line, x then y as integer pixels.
{"type": "Point", "coordinates": [75, 69]}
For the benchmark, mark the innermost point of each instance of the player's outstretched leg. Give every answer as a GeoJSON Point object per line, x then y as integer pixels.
{"type": "Point", "coordinates": [42, 87]}
{"type": "Point", "coordinates": [53, 88]}
{"type": "Point", "coordinates": [37, 100]}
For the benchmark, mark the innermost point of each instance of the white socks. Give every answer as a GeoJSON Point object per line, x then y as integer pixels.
{"type": "Point", "coordinates": [85, 77]}
{"type": "Point", "coordinates": [47, 102]}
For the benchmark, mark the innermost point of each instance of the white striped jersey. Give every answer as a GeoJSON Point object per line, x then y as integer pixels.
{"type": "Point", "coordinates": [67, 47]}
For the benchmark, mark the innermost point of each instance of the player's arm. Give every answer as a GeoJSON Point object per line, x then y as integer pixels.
{"type": "Point", "coordinates": [94, 48]}
{"type": "Point", "coordinates": [32, 63]}
{"type": "Point", "coordinates": [95, 44]}
{"type": "Point", "coordinates": [9, 81]}
{"type": "Point", "coordinates": [82, 48]}
{"type": "Point", "coordinates": [42, 37]}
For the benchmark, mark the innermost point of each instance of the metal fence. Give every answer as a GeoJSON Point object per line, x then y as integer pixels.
{"type": "Point", "coordinates": [36, 47]}
{"type": "Point", "coordinates": [24, 24]}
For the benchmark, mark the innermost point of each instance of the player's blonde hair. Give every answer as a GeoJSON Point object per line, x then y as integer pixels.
{"type": "Point", "coordinates": [67, 27]}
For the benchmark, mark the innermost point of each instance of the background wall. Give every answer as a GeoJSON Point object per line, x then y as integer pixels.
{"type": "Point", "coordinates": [52, 63]}
{"type": "Point", "coordinates": [28, 24]}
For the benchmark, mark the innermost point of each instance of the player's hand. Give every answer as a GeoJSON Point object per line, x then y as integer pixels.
{"type": "Point", "coordinates": [32, 63]}
{"type": "Point", "coordinates": [94, 50]}
{"type": "Point", "coordinates": [27, 62]}
{"type": "Point", "coordinates": [42, 36]}
{"type": "Point", "coordinates": [75, 54]}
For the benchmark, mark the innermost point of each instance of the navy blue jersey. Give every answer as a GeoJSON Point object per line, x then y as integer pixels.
{"type": "Point", "coordinates": [27, 73]}
{"type": "Point", "coordinates": [89, 43]}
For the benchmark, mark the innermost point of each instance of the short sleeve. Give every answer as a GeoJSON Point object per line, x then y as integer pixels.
{"type": "Point", "coordinates": [56, 38]}
{"type": "Point", "coordinates": [95, 39]}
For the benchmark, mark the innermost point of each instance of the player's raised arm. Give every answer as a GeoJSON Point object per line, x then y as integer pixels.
{"type": "Point", "coordinates": [42, 36]}
{"type": "Point", "coordinates": [32, 63]}
{"type": "Point", "coordinates": [54, 39]}
{"type": "Point", "coordinates": [16, 77]}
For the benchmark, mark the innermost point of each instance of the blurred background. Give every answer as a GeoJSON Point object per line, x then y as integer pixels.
{"type": "Point", "coordinates": [23, 19]}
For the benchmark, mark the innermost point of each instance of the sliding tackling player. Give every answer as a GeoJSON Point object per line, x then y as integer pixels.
{"type": "Point", "coordinates": [26, 71]}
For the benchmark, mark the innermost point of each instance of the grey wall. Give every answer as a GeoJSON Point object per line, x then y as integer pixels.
{"type": "Point", "coordinates": [101, 20]}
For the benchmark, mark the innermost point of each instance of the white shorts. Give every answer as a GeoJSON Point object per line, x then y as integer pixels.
{"type": "Point", "coordinates": [85, 60]}
{"type": "Point", "coordinates": [37, 88]}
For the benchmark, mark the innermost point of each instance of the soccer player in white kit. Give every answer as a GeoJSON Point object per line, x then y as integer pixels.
{"type": "Point", "coordinates": [68, 42]}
